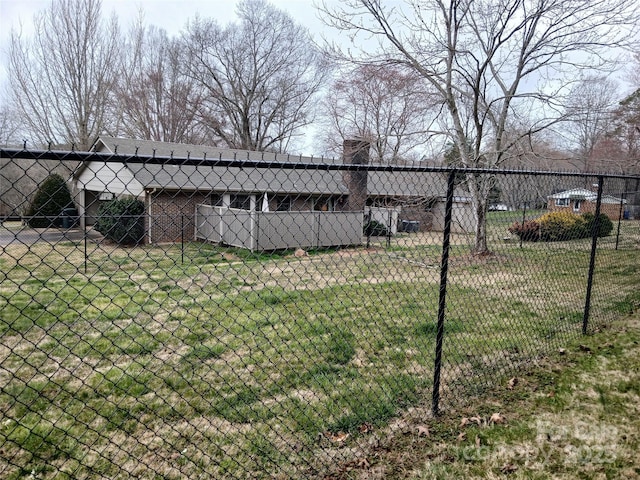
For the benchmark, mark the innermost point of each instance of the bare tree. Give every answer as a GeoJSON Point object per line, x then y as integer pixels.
{"type": "Point", "coordinates": [157, 101]}
{"type": "Point", "coordinates": [62, 79]}
{"type": "Point", "coordinates": [488, 61]}
{"type": "Point", "coordinates": [9, 126]}
{"type": "Point", "coordinates": [260, 76]}
{"type": "Point", "coordinates": [619, 148]}
{"type": "Point", "coordinates": [387, 105]}
{"type": "Point", "coordinates": [627, 120]}
{"type": "Point", "coordinates": [589, 110]}
{"type": "Point", "coordinates": [629, 113]}
{"type": "Point", "coordinates": [621, 145]}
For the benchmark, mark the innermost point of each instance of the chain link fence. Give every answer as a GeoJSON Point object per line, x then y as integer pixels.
{"type": "Point", "coordinates": [240, 315]}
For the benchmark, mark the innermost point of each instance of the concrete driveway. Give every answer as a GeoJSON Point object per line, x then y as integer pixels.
{"type": "Point", "coordinates": [21, 235]}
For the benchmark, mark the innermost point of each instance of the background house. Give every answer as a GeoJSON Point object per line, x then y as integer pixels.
{"type": "Point", "coordinates": [582, 200]}
{"type": "Point", "coordinates": [419, 197]}
{"type": "Point", "coordinates": [172, 192]}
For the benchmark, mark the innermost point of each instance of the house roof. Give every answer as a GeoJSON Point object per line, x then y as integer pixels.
{"type": "Point", "coordinates": [129, 146]}
{"type": "Point", "coordinates": [235, 179]}
{"type": "Point", "coordinates": [252, 179]}
{"type": "Point", "coordinates": [585, 194]}
{"type": "Point", "coordinates": [577, 193]}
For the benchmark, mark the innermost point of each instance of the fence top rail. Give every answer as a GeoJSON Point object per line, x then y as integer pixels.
{"type": "Point", "coordinates": [76, 156]}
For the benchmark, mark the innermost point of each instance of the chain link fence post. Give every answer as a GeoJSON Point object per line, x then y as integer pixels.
{"type": "Point", "coordinates": [442, 299]}
{"type": "Point", "coordinates": [595, 229]}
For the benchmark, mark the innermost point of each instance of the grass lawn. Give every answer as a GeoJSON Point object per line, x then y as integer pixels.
{"type": "Point", "coordinates": [575, 414]}
{"type": "Point", "coordinates": [161, 362]}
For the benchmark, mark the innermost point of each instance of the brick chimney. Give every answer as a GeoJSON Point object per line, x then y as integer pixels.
{"type": "Point", "coordinates": [356, 152]}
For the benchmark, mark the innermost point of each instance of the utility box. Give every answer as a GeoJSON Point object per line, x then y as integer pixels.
{"type": "Point", "coordinates": [410, 226]}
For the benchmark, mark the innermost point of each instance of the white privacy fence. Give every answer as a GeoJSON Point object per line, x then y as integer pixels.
{"type": "Point", "coordinates": [277, 230]}
{"type": "Point", "coordinates": [386, 216]}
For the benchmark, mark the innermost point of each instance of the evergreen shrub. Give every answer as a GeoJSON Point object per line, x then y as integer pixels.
{"type": "Point", "coordinates": [605, 225]}
{"type": "Point", "coordinates": [49, 201]}
{"type": "Point", "coordinates": [561, 225]}
{"type": "Point", "coordinates": [122, 220]}
{"type": "Point", "coordinates": [375, 229]}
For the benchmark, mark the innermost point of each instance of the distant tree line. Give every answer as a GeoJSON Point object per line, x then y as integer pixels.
{"type": "Point", "coordinates": [261, 82]}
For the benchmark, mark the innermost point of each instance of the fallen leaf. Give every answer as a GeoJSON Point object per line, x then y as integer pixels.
{"type": "Point", "coordinates": [512, 383]}
{"type": "Point", "coordinates": [477, 441]}
{"type": "Point", "coordinates": [497, 418]}
{"type": "Point", "coordinates": [551, 394]}
{"type": "Point", "coordinates": [365, 428]}
{"type": "Point", "coordinates": [423, 431]}
{"type": "Point", "coordinates": [509, 468]}
{"type": "Point", "coordinates": [477, 420]}
{"type": "Point", "coordinates": [364, 463]}
{"type": "Point", "coordinates": [337, 437]}
{"type": "Point", "coordinates": [562, 351]}
{"type": "Point", "coordinates": [462, 436]}
{"type": "Point", "coordinates": [469, 420]}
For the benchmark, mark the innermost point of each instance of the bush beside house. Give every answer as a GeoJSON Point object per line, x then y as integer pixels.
{"type": "Point", "coordinates": [528, 231]}
{"type": "Point", "coordinates": [556, 226]}
{"type": "Point", "coordinates": [560, 225]}
{"type": "Point", "coordinates": [122, 220]}
{"type": "Point", "coordinates": [48, 203]}
{"type": "Point", "coordinates": [374, 228]}
{"type": "Point", "coordinates": [605, 225]}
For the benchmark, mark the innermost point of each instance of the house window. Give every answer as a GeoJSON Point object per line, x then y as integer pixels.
{"type": "Point", "coordinates": [562, 202]}
{"type": "Point", "coordinates": [323, 204]}
{"type": "Point", "coordinates": [576, 205]}
{"type": "Point", "coordinates": [217, 200]}
{"type": "Point", "coordinates": [283, 204]}
{"type": "Point", "coordinates": [241, 202]}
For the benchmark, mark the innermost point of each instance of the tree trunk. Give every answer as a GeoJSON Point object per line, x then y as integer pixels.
{"type": "Point", "coordinates": [479, 190]}
{"type": "Point", "coordinates": [480, 211]}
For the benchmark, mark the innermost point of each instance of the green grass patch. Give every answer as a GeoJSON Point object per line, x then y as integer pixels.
{"type": "Point", "coordinates": [204, 352]}
{"type": "Point", "coordinates": [252, 356]}
{"type": "Point", "coordinates": [565, 418]}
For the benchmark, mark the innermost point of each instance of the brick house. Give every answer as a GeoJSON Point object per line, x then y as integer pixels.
{"type": "Point", "coordinates": [581, 200]}
{"type": "Point", "coordinates": [171, 192]}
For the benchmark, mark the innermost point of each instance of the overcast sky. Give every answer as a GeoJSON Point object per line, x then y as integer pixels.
{"type": "Point", "coordinates": [171, 15]}
{"type": "Point", "coordinates": [168, 14]}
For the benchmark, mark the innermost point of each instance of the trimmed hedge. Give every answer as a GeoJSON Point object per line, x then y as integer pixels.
{"type": "Point", "coordinates": [558, 226]}
{"type": "Point", "coordinates": [605, 225]}
{"type": "Point", "coordinates": [528, 231]}
{"type": "Point", "coordinates": [122, 220]}
{"type": "Point", "coordinates": [49, 201]}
